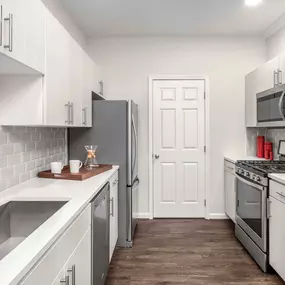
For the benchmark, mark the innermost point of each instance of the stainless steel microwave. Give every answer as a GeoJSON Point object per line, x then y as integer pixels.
{"type": "Point", "coordinates": [271, 107]}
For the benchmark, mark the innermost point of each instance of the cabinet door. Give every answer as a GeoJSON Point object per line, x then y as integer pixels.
{"type": "Point", "coordinates": [24, 32]}
{"type": "Point", "coordinates": [78, 266]}
{"type": "Point", "coordinates": [251, 88]}
{"type": "Point", "coordinates": [114, 213]}
{"type": "Point", "coordinates": [277, 236]}
{"type": "Point", "coordinates": [76, 81]}
{"type": "Point", "coordinates": [230, 194]}
{"type": "Point", "coordinates": [266, 76]}
{"type": "Point", "coordinates": [57, 79]}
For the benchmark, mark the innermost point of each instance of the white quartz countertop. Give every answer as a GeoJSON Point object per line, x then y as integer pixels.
{"type": "Point", "coordinates": [277, 177]}
{"type": "Point", "coordinates": [18, 262]}
{"type": "Point", "coordinates": [235, 158]}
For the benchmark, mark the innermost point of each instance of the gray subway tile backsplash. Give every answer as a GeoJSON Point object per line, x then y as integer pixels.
{"type": "Point", "coordinates": [24, 151]}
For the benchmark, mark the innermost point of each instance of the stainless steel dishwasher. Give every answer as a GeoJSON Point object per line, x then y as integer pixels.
{"type": "Point", "coordinates": [100, 235]}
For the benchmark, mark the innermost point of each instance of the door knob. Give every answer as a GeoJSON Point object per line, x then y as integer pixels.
{"type": "Point", "coordinates": [156, 156]}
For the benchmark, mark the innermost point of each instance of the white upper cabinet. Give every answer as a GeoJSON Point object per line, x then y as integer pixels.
{"type": "Point", "coordinates": [57, 106]}
{"type": "Point", "coordinates": [267, 75]}
{"type": "Point", "coordinates": [22, 36]}
{"type": "Point", "coordinates": [32, 41]}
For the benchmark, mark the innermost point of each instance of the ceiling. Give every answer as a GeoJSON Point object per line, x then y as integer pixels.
{"type": "Point", "coordinates": [172, 17]}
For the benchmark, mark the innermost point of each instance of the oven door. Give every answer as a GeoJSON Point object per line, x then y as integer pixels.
{"type": "Point", "coordinates": [251, 210]}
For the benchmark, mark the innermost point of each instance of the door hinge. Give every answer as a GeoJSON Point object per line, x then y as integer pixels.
{"type": "Point", "coordinates": [205, 202]}
{"type": "Point", "coordinates": [205, 148]}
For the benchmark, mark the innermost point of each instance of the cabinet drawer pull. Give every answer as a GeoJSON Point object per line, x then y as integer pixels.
{"type": "Point", "coordinates": [281, 194]}
{"type": "Point", "coordinates": [1, 25]}
{"type": "Point", "coordinates": [10, 20]}
{"type": "Point", "coordinates": [72, 270]}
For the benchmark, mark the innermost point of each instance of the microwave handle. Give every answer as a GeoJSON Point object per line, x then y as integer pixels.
{"type": "Point", "coordinates": [281, 105]}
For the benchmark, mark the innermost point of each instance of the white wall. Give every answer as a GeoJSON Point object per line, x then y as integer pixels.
{"type": "Point", "coordinates": [127, 62]}
{"type": "Point", "coordinates": [276, 44]}
{"type": "Point", "coordinates": [56, 8]}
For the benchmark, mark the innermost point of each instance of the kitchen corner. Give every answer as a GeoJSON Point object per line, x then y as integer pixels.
{"type": "Point", "coordinates": [16, 265]}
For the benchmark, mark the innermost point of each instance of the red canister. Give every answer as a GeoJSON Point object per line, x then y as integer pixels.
{"type": "Point", "coordinates": [260, 147]}
{"type": "Point", "coordinates": [268, 148]}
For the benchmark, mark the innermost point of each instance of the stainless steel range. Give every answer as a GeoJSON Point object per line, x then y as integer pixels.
{"type": "Point", "coordinates": [251, 207]}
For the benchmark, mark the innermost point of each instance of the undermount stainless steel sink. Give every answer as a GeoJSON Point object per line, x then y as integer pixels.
{"type": "Point", "coordinates": [18, 219]}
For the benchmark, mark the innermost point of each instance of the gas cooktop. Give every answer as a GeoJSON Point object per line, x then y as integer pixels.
{"type": "Point", "coordinates": [264, 166]}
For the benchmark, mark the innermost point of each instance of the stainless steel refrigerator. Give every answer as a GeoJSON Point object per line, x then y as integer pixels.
{"type": "Point", "coordinates": [115, 131]}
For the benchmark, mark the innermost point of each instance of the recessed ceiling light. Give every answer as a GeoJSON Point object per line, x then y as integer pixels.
{"type": "Point", "coordinates": [252, 2]}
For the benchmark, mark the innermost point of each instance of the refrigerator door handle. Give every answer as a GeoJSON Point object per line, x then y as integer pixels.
{"type": "Point", "coordinates": [136, 144]}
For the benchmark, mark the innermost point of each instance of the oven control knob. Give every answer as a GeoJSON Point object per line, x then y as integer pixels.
{"type": "Point", "coordinates": [247, 174]}
{"type": "Point", "coordinates": [241, 171]}
{"type": "Point", "coordinates": [258, 179]}
{"type": "Point", "coordinates": [254, 177]}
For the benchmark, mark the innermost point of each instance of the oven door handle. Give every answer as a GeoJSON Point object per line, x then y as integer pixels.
{"type": "Point", "coordinates": [254, 185]}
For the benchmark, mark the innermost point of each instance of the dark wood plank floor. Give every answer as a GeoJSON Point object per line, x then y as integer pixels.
{"type": "Point", "coordinates": [176, 252]}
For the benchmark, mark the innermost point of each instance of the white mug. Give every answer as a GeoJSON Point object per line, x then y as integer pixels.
{"type": "Point", "coordinates": [56, 167]}
{"type": "Point", "coordinates": [75, 165]}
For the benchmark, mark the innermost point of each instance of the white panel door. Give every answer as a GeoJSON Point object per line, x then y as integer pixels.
{"type": "Point", "coordinates": [178, 140]}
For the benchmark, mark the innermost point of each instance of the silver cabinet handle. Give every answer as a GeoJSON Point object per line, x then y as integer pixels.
{"type": "Point", "coordinates": [71, 113]}
{"type": "Point", "coordinates": [10, 20]}
{"type": "Point", "coordinates": [280, 79]}
{"type": "Point", "coordinates": [84, 110]}
{"type": "Point", "coordinates": [72, 270]}
{"type": "Point", "coordinates": [156, 156]}
{"type": "Point", "coordinates": [275, 78]}
{"type": "Point", "coordinates": [65, 280]}
{"type": "Point", "coordinates": [68, 113]}
{"type": "Point", "coordinates": [112, 207]}
{"type": "Point", "coordinates": [1, 25]}
{"type": "Point", "coordinates": [281, 194]}
{"type": "Point", "coordinates": [101, 88]}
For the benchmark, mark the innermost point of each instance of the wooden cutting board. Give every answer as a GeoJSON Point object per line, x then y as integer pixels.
{"type": "Point", "coordinates": [80, 176]}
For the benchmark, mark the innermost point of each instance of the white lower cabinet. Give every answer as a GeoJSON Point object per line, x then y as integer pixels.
{"type": "Point", "coordinates": [276, 228]}
{"type": "Point", "coordinates": [230, 190]}
{"type": "Point", "coordinates": [78, 268]}
{"type": "Point", "coordinates": [72, 248]}
{"type": "Point", "coordinates": [114, 183]}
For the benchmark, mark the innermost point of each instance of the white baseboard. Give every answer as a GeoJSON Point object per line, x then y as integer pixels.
{"type": "Point", "coordinates": [212, 216]}
{"type": "Point", "coordinates": [143, 215]}
{"type": "Point", "coordinates": [218, 216]}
